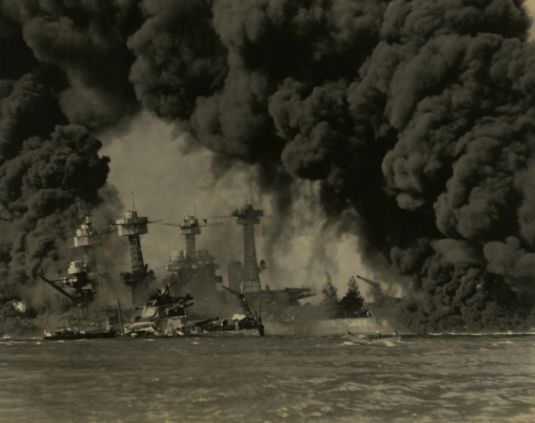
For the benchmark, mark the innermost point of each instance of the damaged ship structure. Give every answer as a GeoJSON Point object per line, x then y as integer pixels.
{"type": "Point", "coordinates": [192, 271]}
{"type": "Point", "coordinates": [240, 308]}
{"type": "Point", "coordinates": [165, 315]}
{"type": "Point", "coordinates": [139, 278]}
{"type": "Point", "coordinates": [81, 281]}
{"type": "Point", "coordinates": [281, 310]}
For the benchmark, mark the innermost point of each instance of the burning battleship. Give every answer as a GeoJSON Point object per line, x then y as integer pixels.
{"type": "Point", "coordinates": [83, 281]}
{"type": "Point", "coordinates": [190, 273]}
{"type": "Point", "coordinates": [195, 271]}
{"type": "Point", "coordinates": [85, 278]}
{"type": "Point", "coordinates": [275, 304]}
{"type": "Point", "coordinates": [192, 270]}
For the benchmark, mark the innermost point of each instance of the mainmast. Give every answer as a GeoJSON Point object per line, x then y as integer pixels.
{"type": "Point", "coordinates": [133, 226]}
{"type": "Point", "coordinates": [248, 216]}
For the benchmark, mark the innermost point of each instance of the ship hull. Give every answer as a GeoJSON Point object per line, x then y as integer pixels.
{"type": "Point", "coordinates": [230, 333]}
{"type": "Point", "coordinates": [77, 336]}
{"type": "Point", "coordinates": [368, 325]}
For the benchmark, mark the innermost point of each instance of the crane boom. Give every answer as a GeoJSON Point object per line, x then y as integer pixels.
{"type": "Point", "coordinates": [57, 288]}
{"type": "Point", "coordinates": [244, 304]}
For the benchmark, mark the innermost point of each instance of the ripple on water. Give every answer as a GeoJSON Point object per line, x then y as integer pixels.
{"type": "Point", "coordinates": [471, 379]}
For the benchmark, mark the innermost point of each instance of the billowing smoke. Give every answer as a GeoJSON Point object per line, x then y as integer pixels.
{"type": "Point", "coordinates": [87, 40]}
{"type": "Point", "coordinates": [415, 118]}
{"type": "Point", "coordinates": [416, 115]}
{"type": "Point", "coordinates": [45, 169]}
{"type": "Point", "coordinates": [50, 100]}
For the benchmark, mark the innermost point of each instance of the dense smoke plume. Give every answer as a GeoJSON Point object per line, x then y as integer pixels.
{"type": "Point", "coordinates": [47, 165]}
{"type": "Point", "coordinates": [415, 117]}
{"type": "Point", "coordinates": [50, 99]}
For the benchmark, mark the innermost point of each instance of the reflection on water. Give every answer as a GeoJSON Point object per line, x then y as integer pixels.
{"type": "Point", "coordinates": [422, 379]}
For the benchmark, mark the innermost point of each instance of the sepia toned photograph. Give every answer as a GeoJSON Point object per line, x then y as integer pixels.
{"type": "Point", "coordinates": [264, 211]}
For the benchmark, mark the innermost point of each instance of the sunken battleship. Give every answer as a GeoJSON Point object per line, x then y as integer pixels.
{"type": "Point", "coordinates": [271, 311]}
{"type": "Point", "coordinates": [192, 298]}
{"type": "Point", "coordinates": [79, 286]}
{"type": "Point", "coordinates": [194, 271]}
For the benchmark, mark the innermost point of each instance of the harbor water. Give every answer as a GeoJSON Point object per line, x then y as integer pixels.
{"type": "Point", "coordinates": [272, 379]}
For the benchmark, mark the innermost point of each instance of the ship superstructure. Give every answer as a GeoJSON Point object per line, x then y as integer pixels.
{"type": "Point", "coordinates": [275, 304]}
{"type": "Point", "coordinates": [85, 235]}
{"type": "Point", "coordinates": [81, 282]}
{"type": "Point", "coordinates": [190, 227]}
{"type": "Point", "coordinates": [192, 271]}
{"type": "Point", "coordinates": [80, 277]}
{"type": "Point", "coordinates": [138, 279]}
{"type": "Point", "coordinates": [248, 217]}
{"type": "Point", "coordinates": [88, 238]}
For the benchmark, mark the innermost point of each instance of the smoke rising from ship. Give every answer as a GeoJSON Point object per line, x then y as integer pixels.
{"type": "Point", "coordinates": [415, 119]}
{"type": "Point", "coordinates": [47, 164]}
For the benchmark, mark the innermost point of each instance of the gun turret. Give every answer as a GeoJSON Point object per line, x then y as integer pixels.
{"type": "Point", "coordinates": [163, 303]}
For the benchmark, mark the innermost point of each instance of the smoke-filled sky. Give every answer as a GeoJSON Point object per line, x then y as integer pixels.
{"type": "Point", "coordinates": [186, 182]}
{"type": "Point", "coordinates": [390, 138]}
{"type": "Point", "coordinates": [168, 185]}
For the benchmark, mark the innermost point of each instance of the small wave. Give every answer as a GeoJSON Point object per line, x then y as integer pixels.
{"type": "Point", "coordinates": [385, 343]}
{"type": "Point", "coordinates": [12, 342]}
{"type": "Point", "coordinates": [321, 380]}
{"type": "Point", "coordinates": [495, 344]}
{"type": "Point", "coordinates": [507, 333]}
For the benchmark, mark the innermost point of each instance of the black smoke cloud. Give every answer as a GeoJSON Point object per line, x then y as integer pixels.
{"type": "Point", "coordinates": [415, 114]}
{"type": "Point", "coordinates": [44, 169]}
{"type": "Point", "coordinates": [87, 40]}
{"type": "Point", "coordinates": [415, 117]}
{"type": "Point", "coordinates": [48, 159]}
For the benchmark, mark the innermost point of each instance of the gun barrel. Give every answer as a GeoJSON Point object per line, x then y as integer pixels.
{"type": "Point", "coordinates": [205, 322]}
{"type": "Point", "coordinates": [367, 280]}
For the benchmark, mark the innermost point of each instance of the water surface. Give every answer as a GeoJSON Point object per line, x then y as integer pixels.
{"type": "Point", "coordinates": [271, 379]}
